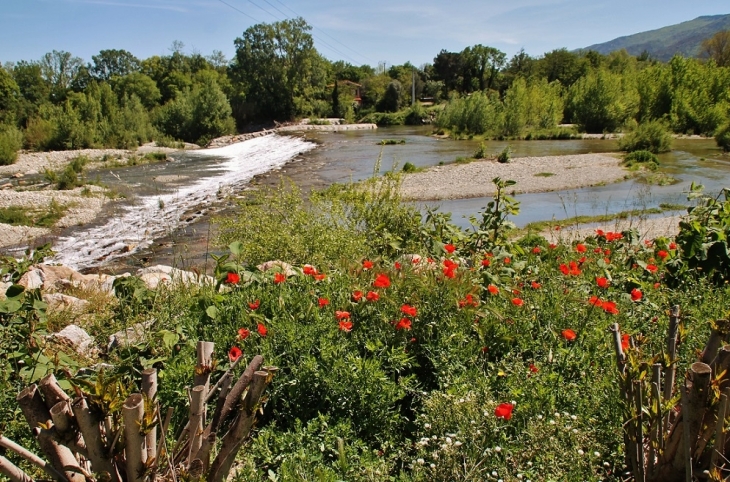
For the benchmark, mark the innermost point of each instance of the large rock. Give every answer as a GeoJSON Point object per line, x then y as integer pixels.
{"type": "Point", "coordinates": [154, 275]}
{"type": "Point", "coordinates": [277, 265]}
{"type": "Point", "coordinates": [4, 287]}
{"type": "Point", "coordinates": [57, 278]}
{"type": "Point", "coordinates": [60, 302]}
{"type": "Point", "coordinates": [75, 337]}
{"type": "Point", "coordinates": [131, 336]}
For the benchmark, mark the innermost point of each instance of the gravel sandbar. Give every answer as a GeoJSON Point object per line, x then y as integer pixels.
{"type": "Point", "coordinates": [533, 174]}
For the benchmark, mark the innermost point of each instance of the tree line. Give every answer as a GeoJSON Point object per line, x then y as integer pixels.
{"type": "Point", "coordinates": [276, 74]}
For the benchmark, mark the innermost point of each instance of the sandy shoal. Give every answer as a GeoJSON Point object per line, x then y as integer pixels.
{"type": "Point", "coordinates": [533, 174]}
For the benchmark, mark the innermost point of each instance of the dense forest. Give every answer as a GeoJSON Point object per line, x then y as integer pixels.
{"type": "Point", "coordinates": [118, 100]}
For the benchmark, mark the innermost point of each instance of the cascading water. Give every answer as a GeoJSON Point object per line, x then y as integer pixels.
{"type": "Point", "coordinates": [151, 217]}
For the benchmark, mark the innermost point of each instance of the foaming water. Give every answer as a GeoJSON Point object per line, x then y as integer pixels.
{"type": "Point", "coordinates": [151, 217]}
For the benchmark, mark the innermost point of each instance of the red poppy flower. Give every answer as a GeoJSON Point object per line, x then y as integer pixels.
{"type": "Point", "coordinates": [255, 305]}
{"type": "Point", "coordinates": [234, 353]}
{"type": "Point", "coordinates": [657, 285]}
{"type": "Point", "coordinates": [261, 329]}
{"type": "Point", "coordinates": [648, 242]}
{"type": "Point", "coordinates": [504, 410]}
{"type": "Point", "coordinates": [553, 245]}
{"type": "Point", "coordinates": [493, 289]}
{"type": "Point", "coordinates": [518, 302]}
{"type": "Point", "coordinates": [323, 302]}
{"type": "Point", "coordinates": [536, 250]}
{"type": "Point", "coordinates": [662, 254]}
{"type": "Point", "coordinates": [372, 296]}
{"type": "Point", "coordinates": [506, 261]}
{"type": "Point", "coordinates": [233, 278]}
{"type": "Point", "coordinates": [279, 278]}
{"type": "Point", "coordinates": [486, 262]}
{"type": "Point", "coordinates": [397, 265]}
{"type": "Point", "coordinates": [320, 276]}
{"type": "Point", "coordinates": [564, 269]}
{"type": "Point", "coordinates": [600, 233]}
{"type": "Point", "coordinates": [429, 260]}
{"type": "Point", "coordinates": [610, 307]}
{"type": "Point", "coordinates": [533, 368]}
{"type": "Point", "coordinates": [580, 248]}
{"type": "Point", "coordinates": [597, 250]}
{"type": "Point", "coordinates": [672, 245]}
{"type": "Point", "coordinates": [582, 260]}
{"type": "Point", "coordinates": [651, 268]}
{"type": "Point", "coordinates": [345, 326]}
{"type": "Point", "coordinates": [381, 281]}
{"type": "Point", "coordinates": [468, 301]}
{"type": "Point", "coordinates": [595, 301]}
{"type": "Point", "coordinates": [356, 296]}
{"type": "Point", "coordinates": [602, 282]}
{"type": "Point", "coordinates": [625, 342]}
{"type": "Point", "coordinates": [607, 252]}
{"type": "Point", "coordinates": [403, 324]}
{"type": "Point", "coordinates": [450, 264]}
{"type": "Point", "coordinates": [450, 272]}
{"type": "Point", "coordinates": [408, 310]}
{"type": "Point", "coordinates": [449, 248]}
{"type": "Point", "coordinates": [342, 315]}
{"type": "Point", "coordinates": [309, 270]}
{"type": "Point", "coordinates": [568, 334]}
{"type": "Point", "coordinates": [367, 264]}
{"type": "Point", "coordinates": [243, 333]}
{"type": "Point", "coordinates": [636, 294]}
{"type": "Point", "coordinates": [535, 285]}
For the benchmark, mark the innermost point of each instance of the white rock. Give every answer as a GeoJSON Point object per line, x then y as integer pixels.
{"type": "Point", "coordinates": [76, 338]}
{"type": "Point", "coordinates": [31, 279]}
{"type": "Point", "coordinates": [4, 287]}
{"type": "Point", "coordinates": [152, 280]}
{"type": "Point", "coordinates": [277, 265]}
{"type": "Point", "coordinates": [175, 275]}
{"type": "Point", "coordinates": [60, 302]}
{"type": "Point", "coordinates": [130, 336]}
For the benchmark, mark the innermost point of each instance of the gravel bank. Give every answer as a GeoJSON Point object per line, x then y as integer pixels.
{"type": "Point", "coordinates": [533, 174]}
{"type": "Point", "coordinates": [648, 228]}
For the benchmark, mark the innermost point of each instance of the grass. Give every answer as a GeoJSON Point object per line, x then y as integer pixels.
{"type": "Point", "coordinates": [42, 218]}
{"type": "Point", "coordinates": [391, 142]}
{"type": "Point", "coordinates": [658, 179]}
{"type": "Point", "coordinates": [544, 174]}
{"type": "Point", "coordinates": [538, 226]}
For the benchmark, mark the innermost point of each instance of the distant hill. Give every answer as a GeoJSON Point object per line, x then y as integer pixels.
{"type": "Point", "coordinates": [683, 38]}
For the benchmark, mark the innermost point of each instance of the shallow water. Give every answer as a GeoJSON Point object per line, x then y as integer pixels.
{"type": "Point", "coordinates": [166, 216]}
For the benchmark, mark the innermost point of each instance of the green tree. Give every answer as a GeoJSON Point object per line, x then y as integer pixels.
{"type": "Point", "coordinates": [113, 63]}
{"type": "Point", "coordinates": [392, 98]}
{"type": "Point", "coordinates": [275, 64]}
{"type": "Point", "coordinates": [448, 67]}
{"type": "Point", "coordinates": [483, 64]}
{"type": "Point", "coordinates": [603, 101]}
{"type": "Point", "coordinates": [9, 96]}
{"type": "Point", "coordinates": [58, 69]}
{"type": "Point", "coordinates": [561, 65]}
{"type": "Point", "coordinates": [140, 85]}
{"type": "Point", "coordinates": [717, 48]}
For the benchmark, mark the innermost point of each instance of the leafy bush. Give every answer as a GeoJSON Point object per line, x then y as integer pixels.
{"type": "Point", "coordinates": [11, 140]}
{"type": "Point", "coordinates": [409, 167]}
{"type": "Point", "coordinates": [652, 136]}
{"type": "Point", "coordinates": [641, 156]}
{"type": "Point", "coordinates": [504, 156]}
{"type": "Point", "coordinates": [481, 152]}
{"type": "Point", "coordinates": [722, 137]}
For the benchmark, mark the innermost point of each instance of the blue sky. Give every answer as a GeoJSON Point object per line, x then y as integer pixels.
{"type": "Point", "coordinates": [364, 32]}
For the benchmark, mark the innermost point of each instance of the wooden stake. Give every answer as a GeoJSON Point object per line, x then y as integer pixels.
{"type": "Point", "coordinates": [671, 352]}
{"type": "Point", "coordinates": [149, 389]}
{"type": "Point", "coordinates": [52, 391]}
{"type": "Point", "coordinates": [89, 426]}
{"type": "Point", "coordinates": [697, 396]}
{"type": "Point", "coordinates": [133, 412]}
{"type": "Point", "coordinates": [713, 343]}
{"type": "Point", "coordinates": [36, 414]}
{"type": "Point", "coordinates": [197, 408]}
{"type": "Point", "coordinates": [243, 381]}
{"type": "Point", "coordinates": [9, 470]}
{"type": "Point", "coordinates": [32, 458]}
{"type": "Point", "coordinates": [719, 448]}
{"type": "Point", "coordinates": [205, 364]}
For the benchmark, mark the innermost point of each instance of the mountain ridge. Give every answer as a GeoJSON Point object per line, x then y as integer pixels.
{"type": "Point", "coordinates": [684, 38]}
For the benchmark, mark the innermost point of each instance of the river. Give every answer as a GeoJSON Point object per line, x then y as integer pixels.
{"type": "Point", "coordinates": [165, 218]}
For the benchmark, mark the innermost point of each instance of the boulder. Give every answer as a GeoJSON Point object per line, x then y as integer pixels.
{"type": "Point", "coordinates": [76, 338]}
{"type": "Point", "coordinates": [60, 302]}
{"type": "Point", "coordinates": [3, 288]}
{"type": "Point", "coordinates": [277, 265]}
{"type": "Point", "coordinates": [152, 280]}
{"type": "Point", "coordinates": [156, 274]}
{"type": "Point", "coordinates": [130, 336]}
{"type": "Point", "coordinates": [31, 279]}
{"type": "Point", "coordinates": [56, 278]}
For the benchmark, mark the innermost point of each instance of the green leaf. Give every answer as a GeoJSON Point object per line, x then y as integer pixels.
{"type": "Point", "coordinates": [14, 290]}
{"type": "Point", "coordinates": [212, 312]}
{"type": "Point", "coordinates": [236, 248]}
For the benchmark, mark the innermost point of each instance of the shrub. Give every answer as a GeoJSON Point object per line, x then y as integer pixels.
{"type": "Point", "coordinates": [641, 156]}
{"type": "Point", "coordinates": [722, 137]}
{"type": "Point", "coordinates": [650, 136]}
{"type": "Point", "coordinates": [11, 140]}
{"type": "Point", "coordinates": [504, 156]}
{"type": "Point", "coordinates": [481, 152]}
{"type": "Point", "coordinates": [409, 167]}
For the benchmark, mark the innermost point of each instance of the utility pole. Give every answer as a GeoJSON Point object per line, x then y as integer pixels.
{"type": "Point", "coordinates": [413, 87]}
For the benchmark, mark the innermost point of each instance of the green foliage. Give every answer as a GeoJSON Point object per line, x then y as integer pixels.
{"type": "Point", "coordinates": [649, 136]}
{"type": "Point", "coordinates": [481, 152]}
{"type": "Point", "coordinates": [722, 137]}
{"type": "Point", "coordinates": [392, 97]}
{"type": "Point", "coordinates": [504, 156]}
{"type": "Point", "coordinates": [391, 142]}
{"type": "Point", "coordinates": [641, 156]}
{"type": "Point", "coordinates": [477, 114]}
{"type": "Point", "coordinates": [43, 218]}
{"type": "Point", "coordinates": [410, 167]}
{"type": "Point", "coordinates": [11, 140]}
{"type": "Point", "coordinates": [602, 101]}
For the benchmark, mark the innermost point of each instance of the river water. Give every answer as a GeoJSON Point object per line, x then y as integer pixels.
{"type": "Point", "coordinates": [165, 218]}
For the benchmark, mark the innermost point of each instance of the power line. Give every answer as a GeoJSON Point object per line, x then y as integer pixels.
{"type": "Point", "coordinates": [239, 11]}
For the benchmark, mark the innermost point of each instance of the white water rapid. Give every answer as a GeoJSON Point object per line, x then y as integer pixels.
{"type": "Point", "coordinates": [151, 217]}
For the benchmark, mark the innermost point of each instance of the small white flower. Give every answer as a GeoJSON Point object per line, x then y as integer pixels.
{"type": "Point", "coordinates": [421, 461]}
{"type": "Point", "coordinates": [494, 473]}
{"type": "Point", "coordinates": [427, 426]}
{"type": "Point", "coordinates": [597, 454]}
{"type": "Point", "coordinates": [457, 444]}
{"type": "Point", "coordinates": [606, 464]}
{"type": "Point", "coordinates": [472, 422]}
{"type": "Point", "coordinates": [529, 463]}
{"type": "Point", "coordinates": [573, 417]}
{"type": "Point", "coordinates": [461, 400]}
{"type": "Point", "coordinates": [519, 476]}
{"type": "Point", "coordinates": [566, 414]}
{"type": "Point", "coordinates": [556, 415]}
{"type": "Point", "coordinates": [448, 440]}
{"type": "Point", "coordinates": [514, 403]}
{"type": "Point", "coordinates": [433, 466]}
{"type": "Point", "coordinates": [552, 422]}
{"type": "Point", "coordinates": [539, 417]}
{"type": "Point", "coordinates": [575, 430]}
{"type": "Point", "coordinates": [580, 452]}
{"type": "Point", "coordinates": [498, 449]}
{"type": "Point", "coordinates": [434, 437]}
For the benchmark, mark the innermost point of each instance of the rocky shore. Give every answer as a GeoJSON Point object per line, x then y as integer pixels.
{"type": "Point", "coordinates": [533, 174]}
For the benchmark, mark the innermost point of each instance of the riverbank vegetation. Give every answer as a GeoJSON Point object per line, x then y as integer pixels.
{"type": "Point", "coordinates": [407, 348]}
{"type": "Point", "coordinates": [117, 100]}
